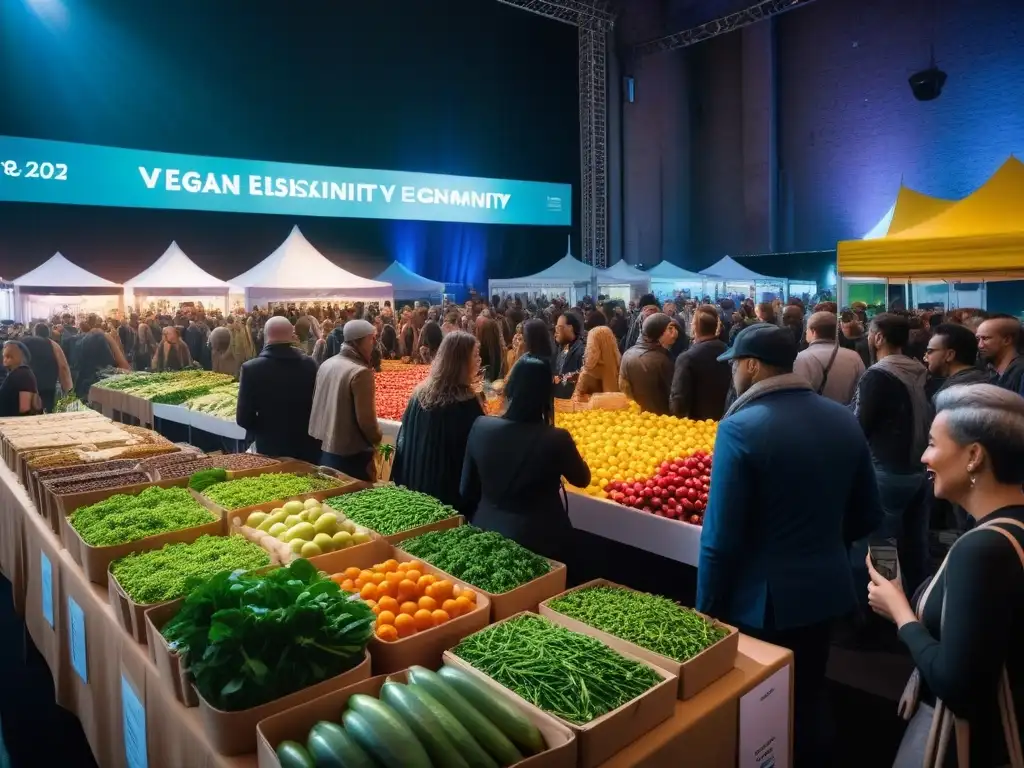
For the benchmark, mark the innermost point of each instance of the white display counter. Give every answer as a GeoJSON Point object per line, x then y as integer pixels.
{"type": "Point", "coordinates": [652, 533]}
{"type": "Point", "coordinates": [389, 428]}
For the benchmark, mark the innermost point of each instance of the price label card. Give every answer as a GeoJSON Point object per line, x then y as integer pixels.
{"type": "Point", "coordinates": [764, 723]}
{"type": "Point", "coordinates": [76, 636]}
{"type": "Point", "coordinates": [133, 714]}
{"type": "Point", "coordinates": [46, 587]}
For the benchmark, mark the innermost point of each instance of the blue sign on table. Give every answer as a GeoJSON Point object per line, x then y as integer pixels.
{"type": "Point", "coordinates": [133, 715]}
{"type": "Point", "coordinates": [41, 171]}
{"type": "Point", "coordinates": [76, 634]}
{"type": "Point", "coordinates": [46, 587]}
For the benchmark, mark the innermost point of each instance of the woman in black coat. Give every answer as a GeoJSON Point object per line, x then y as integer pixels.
{"type": "Point", "coordinates": [515, 465]}
{"type": "Point", "coordinates": [431, 443]}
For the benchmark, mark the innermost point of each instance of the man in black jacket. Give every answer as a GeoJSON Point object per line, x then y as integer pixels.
{"type": "Point", "coordinates": [701, 383]}
{"type": "Point", "coordinates": [275, 396]}
{"type": "Point", "coordinates": [999, 347]}
{"type": "Point", "coordinates": [952, 356]}
{"type": "Point", "coordinates": [569, 361]}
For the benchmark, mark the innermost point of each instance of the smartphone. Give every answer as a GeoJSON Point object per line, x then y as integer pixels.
{"type": "Point", "coordinates": [885, 560]}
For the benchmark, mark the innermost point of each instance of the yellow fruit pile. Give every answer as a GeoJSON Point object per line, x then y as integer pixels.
{"type": "Point", "coordinates": [628, 445]}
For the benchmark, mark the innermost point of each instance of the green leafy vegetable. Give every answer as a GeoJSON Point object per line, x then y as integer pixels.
{"type": "Point", "coordinates": [252, 638]}
{"type": "Point", "coordinates": [273, 486]}
{"type": "Point", "coordinates": [171, 572]}
{"type": "Point", "coordinates": [572, 676]}
{"type": "Point", "coordinates": [122, 518]}
{"type": "Point", "coordinates": [484, 559]}
{"type": "Point", "coordinates": [652, 622]}
{"type": "Point", "coordinates": [204, 478]}
{"type": "Point", "coordinates": [391, 509]}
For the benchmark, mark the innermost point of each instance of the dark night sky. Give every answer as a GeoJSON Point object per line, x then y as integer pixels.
{"type": "Point", "coordinates": [468, 87]}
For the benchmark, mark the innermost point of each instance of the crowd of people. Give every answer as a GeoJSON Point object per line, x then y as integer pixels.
{"type": "Point", "coordinates": [855, 413]}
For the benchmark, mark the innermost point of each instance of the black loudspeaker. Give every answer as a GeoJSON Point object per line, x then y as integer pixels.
{"type": "Point", "coordinates": [926, 85]}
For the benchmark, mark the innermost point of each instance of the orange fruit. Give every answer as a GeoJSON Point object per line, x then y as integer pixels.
{"type": "Point", "coordinates": [357, 585]}
{"type": "Point", "coordinates": [352, 573]}
{"type": "Point", "coordinates": [439, 617]}
{"type": "Point", "coordinates": [405, 624]}
{"type": "Point", "coordinates": [376, 610]}
{"type": "Point", "coordinates": [450, 607]}
{"type": "Point", "coordinates": [414, 565]}
{"type": "Point", "coordinates": [456, 590]}
{"type": "Point", "coordinates": [385, 617]}
{"type": "Point", "coordinates": [390, 565]}
{"type": "Point", "coordinates": [428, 603]}
{"type": "Point", "coordinates": [402, 567]}
{"type": "Point", "coordinates": [348, 585]}
{"type": "Point", "coordinates": [469, 594]}
{"type": "Point", "coordinates": [366, 576]}
{"type": "Point", "coordinates": [377, 578]}
{"type": "Point", "coordinates": [424, 619]}
{"type": "Point", "coordinates": [394, 577]}
{"type": "Point", "coordinates": [387, 633]}
{"type": "Point", "coordinates": [409, 607]}
{"type": "Point", "coordinates": [371, 603]}
{"type": "Point", "coordinates": [368, 592]}
{"type": "Point", "coordinates": [337, 578]}
{"type": "Point", "coordinates": [443, 590]}
{"type": "Point", "coordinates": [388, 603]}
{"type": "Point", "coordinates": [413, 575]}
{"type": "Point", "coordinates": [463, 604]}
{"type": "Point", "coordinates": [386, 589]}
{"type": "Point", "coordinates": [407, 589]}
{"type": "Point", "coordinates": [425, 581]}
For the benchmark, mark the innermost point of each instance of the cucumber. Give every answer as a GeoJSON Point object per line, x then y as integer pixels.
{"type": "Point", "coordinates": [428, 728]}
{"type": "Point", "coordinates": [482, 729]}
{"type": "Point", "coordinates": [291, 754]}
{"type": "Point", "coordinates": [331, 747]}
{"type": "Point", "coordinates": [503, 713]}
{"type": "Point", "coordinates": [380, 731]}
{"type": "Point", "coordinates": [469, 747]}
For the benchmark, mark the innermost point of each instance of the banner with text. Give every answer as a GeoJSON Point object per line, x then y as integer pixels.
{"type": "Point", "coordinates": [40, 171]}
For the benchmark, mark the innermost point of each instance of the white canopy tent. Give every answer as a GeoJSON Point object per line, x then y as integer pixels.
{"type": "Point", "coordinates": [733, 277]}
{"type": "Point", "coordinates": [566, 277]}
{"type": "Point", "coordinates": [58, 286]}
{"type": "Point", "coordinates": [623, 281]}
{"type": "Point", "coordinates": [175, 275]}
{"type": "Point", "coordinates": [409, 285]}
{"type": "Point", "coordinates": [668, 279]}
{"type": "Point", "coordinates": [296, 271]}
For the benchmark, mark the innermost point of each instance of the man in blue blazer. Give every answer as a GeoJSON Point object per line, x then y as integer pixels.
{"type": "Point", "coordinates": [792, 486]}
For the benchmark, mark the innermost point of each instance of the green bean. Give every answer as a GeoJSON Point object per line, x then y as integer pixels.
{"type": "Point", "coordinates": [652, 622]}
{"type": "Point", "coordinates": [572, 676]}
{"type": "Point", "coordinates": [391, 509]}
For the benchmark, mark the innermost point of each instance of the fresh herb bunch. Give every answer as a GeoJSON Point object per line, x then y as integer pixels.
{"type": "Point", "coordinates": [252, 638]}
{"type": "Point", "coordinates": [484, 559]}
{"type": "Point", "coordinates": [122, 518]}
{"type": "Point", "coordinates": [273, 486]}
{"type": "Point", "coordinates": [173, 571]}
{"type": "Point", "coordinates": [652, 622]}
{"type": "Point", "coordinates": [391, 509]}
{"type": "Point", "coordinates": [202, 479]}
{"type": "Point", "coordinates": [572, 676]}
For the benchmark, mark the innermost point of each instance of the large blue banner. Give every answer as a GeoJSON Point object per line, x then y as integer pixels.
{"type": "Point", "coordinates": [39, 171]}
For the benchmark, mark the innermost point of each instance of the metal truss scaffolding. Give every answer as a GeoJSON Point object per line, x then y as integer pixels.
{"type": "Point", "coordinates": [594, 21]}
{"type": "Point", "coordinates": [687, 37]}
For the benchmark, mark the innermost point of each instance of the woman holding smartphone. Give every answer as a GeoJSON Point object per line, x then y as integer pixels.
{"type": "Point", "coordinates": [965, 627]}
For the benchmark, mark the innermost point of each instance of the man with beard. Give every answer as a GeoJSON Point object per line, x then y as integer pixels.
{"type": "Point", "coordinates": [998, 346]}
{"type": "Point", "coordinates": [952, 356]}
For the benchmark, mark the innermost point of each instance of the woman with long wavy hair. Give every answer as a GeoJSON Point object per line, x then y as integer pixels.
{"type": "Point", "coordinates": [435, 426]}
{"type": "Point", "coordinates": [492, 352]}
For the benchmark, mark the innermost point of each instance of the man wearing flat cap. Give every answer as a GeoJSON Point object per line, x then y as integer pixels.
{"type": "Point", "coordinates": [645, 374]}
{"type": "Point", "coordinates": [783, 510]}
{"type": "Point", "coordinates": [344, 414]}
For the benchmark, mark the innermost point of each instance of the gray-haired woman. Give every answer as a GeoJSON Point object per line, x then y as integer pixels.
{"type": "Point", "coordinates": [965, 629]}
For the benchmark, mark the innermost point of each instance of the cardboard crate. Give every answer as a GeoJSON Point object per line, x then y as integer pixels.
{"type": "Point", "coordinates": [129, 614]}
{"type": "Point", "coordinates": [694, 675]}
{"type": "Point", "coordinates": [423, 648]}
{"type": "Point", "coordinates": [94, 561]}
{"type": "Point", "coordinates": [601, 738]}
{"type": "Point", "coordinates": [172, 667]}
{"type": "Point", "coordinates": [234, 733]}
{"type": "Point", "coordinates": [294, 725]}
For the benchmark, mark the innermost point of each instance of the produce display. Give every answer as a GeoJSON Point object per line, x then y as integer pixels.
{"type": "Point", "coordinates": [251, 638]}
{"type": "Point", "coordinates": [485, 559]}
{"type": "Point", "coordinates": [273, 486]}
{"type": "Point", "coordinates": [405, 599]}
{"type": "Point", "coordinates": [444, 719]}
{"type": "Point", "coordinates": [679, 489]}
{"type": "Point", "coordinates": [122, 518]}
{"type": "Point", "coordinates": [564, 673]}
{"type": "Point", "coordinates": [652, 622]}
{"type": "Point", "coordinates": [301, 529]}
{"type": "Point", "coordinates": [391, 509]}
{"type": "Point", "coordinates": [394, 386]}
{"type": "Point", "coordinates": [169, 573]}
{"type": "Point", "coordinates": [169, 387]}
{"type": "Point", "coordinates": [221, 402]}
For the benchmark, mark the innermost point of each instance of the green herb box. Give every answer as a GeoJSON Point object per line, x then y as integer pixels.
{"type": "Point", "coordinates": [234, 733]}
{"type": "Point", "coordinates": [172, 667]}
{"type": "Point", "coordinates": [95, 561]}
{"type": "Point", "coordinates": [694, 675]}
{"type": "Point", "coordinates": [423, 648]}
{"type": "Point", "coordinates": [602, 737]}
{"type": "Point", "coordinates": [449, 522]}
{"type": "Point", "coordinates": [294, 725]}
{"type": "Point", "coordinates": [54, 507]}
{"type": "Point", "coordinates": [525, 597]}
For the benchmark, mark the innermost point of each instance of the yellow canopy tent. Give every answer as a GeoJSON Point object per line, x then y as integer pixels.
{"type": "Point", "coordinates": [982, 235]}
{"type": "Point", "coordinates": [910, 209]}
